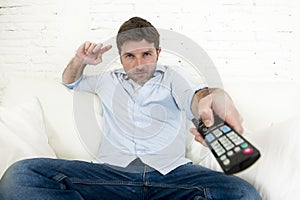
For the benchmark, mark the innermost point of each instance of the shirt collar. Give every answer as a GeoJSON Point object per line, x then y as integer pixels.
{"type": "Point", "coordinates": [160, 69]}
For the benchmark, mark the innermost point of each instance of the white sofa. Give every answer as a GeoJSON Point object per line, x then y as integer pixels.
{"type": "Point", "coordinates": [36, 120]}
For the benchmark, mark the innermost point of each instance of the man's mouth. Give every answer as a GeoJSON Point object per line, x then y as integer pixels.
{"type": "Point", "coordinates": [139, 73]}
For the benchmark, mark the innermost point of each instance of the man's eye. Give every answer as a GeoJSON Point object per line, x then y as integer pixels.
{"type": "Point", "coordinates": [129, 56]}
{"type": "Point", "coordinates": [147, 54]}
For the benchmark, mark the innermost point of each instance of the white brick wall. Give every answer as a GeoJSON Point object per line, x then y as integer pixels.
{"type": "Point", "coordinates": [249, 40]}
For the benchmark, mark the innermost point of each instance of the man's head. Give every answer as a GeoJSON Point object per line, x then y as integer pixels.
{"type": "Point", "coordinates": [137, 29]}
{"type": "Point", "coordinates": [138, 45]}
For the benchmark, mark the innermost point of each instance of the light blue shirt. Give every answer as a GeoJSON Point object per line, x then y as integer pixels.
{"type": "Point", "coordinates": [146, 122]}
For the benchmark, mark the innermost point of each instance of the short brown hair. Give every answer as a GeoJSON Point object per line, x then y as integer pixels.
{"type": "Point", "coordinates": [137, 29]}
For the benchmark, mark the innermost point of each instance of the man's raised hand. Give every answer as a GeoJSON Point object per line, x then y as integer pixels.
{"type": "Point", "coordinates": [91, 53]}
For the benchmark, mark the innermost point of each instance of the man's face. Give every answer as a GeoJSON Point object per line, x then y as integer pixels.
{"type": "Point", "coordinates": [139, 60]}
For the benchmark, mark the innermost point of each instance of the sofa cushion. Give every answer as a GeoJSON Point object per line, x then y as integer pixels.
{"type": "Point", "coordinates": [57, 106]}
{"type": "Point", "coordinates": [278, 168]}
{"type": "Point", "coordinates": [22, 134]}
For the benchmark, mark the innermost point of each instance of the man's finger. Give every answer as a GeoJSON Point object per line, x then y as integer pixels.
{"type": "Point", "coordinates": [86, 46]}
{"type": "Point", "coordinates": [198, 137]}
{"type": "Point", "coordinates": [98, 47]}
{"type": "Point", "coordinates": [206, 112]}
{"type": "Point", "coordinates": [106, 48]}
{"type": "Point", "coordinates": [91, 48]}
{"type": "Point", "coordinates": [235, 120]}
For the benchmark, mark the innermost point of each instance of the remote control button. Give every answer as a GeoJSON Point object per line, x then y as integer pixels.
{"type": "Point", "coordinates": [210, 137]}
{"type": "Point", "coordinates": [226, 162]}
{"type": "Point", "coordinates": [225, 129]}
{"type": "Point", "coordinates": [248, 151]}
{"type": "Point", "coordinates": [226, 143]}
{"type": "Point", "coordinates": [202, 128]}
{"type": "Point", "coordinates": [231, 135]}
{"type": "Point", "coordinates": [217, 133]}
{"type": "Point", "coordinates": [237, 140]}
{"type": "Point", "coordinates": [230, 153]}
{"type": "Point", "coordinates": [237, 149]}
{"type": "Point", "coordinates": [244, 145]}
{"type": "Point", "coordinates": [223, 157]}
{"type": "Point", "coordinates": [217, 148]}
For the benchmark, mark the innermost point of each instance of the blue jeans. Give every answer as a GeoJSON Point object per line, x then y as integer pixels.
{"type": "Point", "coordinates": [54, 179]}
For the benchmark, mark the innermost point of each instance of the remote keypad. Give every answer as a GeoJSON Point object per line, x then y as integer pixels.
{"type": "Point", "coordinates": [233, 152]}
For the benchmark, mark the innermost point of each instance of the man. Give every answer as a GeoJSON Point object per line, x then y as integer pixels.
{"type": "Point", "coordinates": [142, 154]}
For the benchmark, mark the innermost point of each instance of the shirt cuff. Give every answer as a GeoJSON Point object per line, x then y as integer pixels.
{"type": "Point", "coordinates": [72, 85]}
{"type": "Point", "coordinates": [189, 113]}
{"type": "Point", "coordinates": [200, 87]}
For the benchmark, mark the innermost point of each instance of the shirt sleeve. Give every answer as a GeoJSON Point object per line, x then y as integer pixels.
{"type": "Point", "coordinates": [183, 91]}
{"type": "Point", "coordinates": [189, 113]}
{"type": "Point", "coordinates": [72, 85]}
{"type": "Point", "coordinates": [200, 87]}
{"type": "Point", "coordinates": [86, 84]}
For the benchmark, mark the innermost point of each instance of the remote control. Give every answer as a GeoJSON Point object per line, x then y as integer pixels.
{"type": "Point", "coordinates": [232, 151]}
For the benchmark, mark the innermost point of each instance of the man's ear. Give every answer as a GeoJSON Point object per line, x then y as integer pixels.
{"type": "Point", "coordinates": [158, 51]}
{"type": "Point", "coordinates": [120, 57]}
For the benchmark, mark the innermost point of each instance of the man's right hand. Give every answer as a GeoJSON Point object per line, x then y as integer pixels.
{"type": "Point", "coordinates": [87, 54]}
{"type": "Point", "coordinates": [91, 53]}
{"type": "Point", "coordinates": [215, 100]}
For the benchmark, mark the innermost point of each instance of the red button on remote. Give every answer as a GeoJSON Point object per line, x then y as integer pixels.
{"type": "Point", "coordinates": [248, 151]}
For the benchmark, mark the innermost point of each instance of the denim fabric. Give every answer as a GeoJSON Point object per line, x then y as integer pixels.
{"type": "Point", "coordinates": [54, 179]}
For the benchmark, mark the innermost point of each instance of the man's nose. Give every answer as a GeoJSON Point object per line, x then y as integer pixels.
{"type": "Point", "coordinates": [139, 63]}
